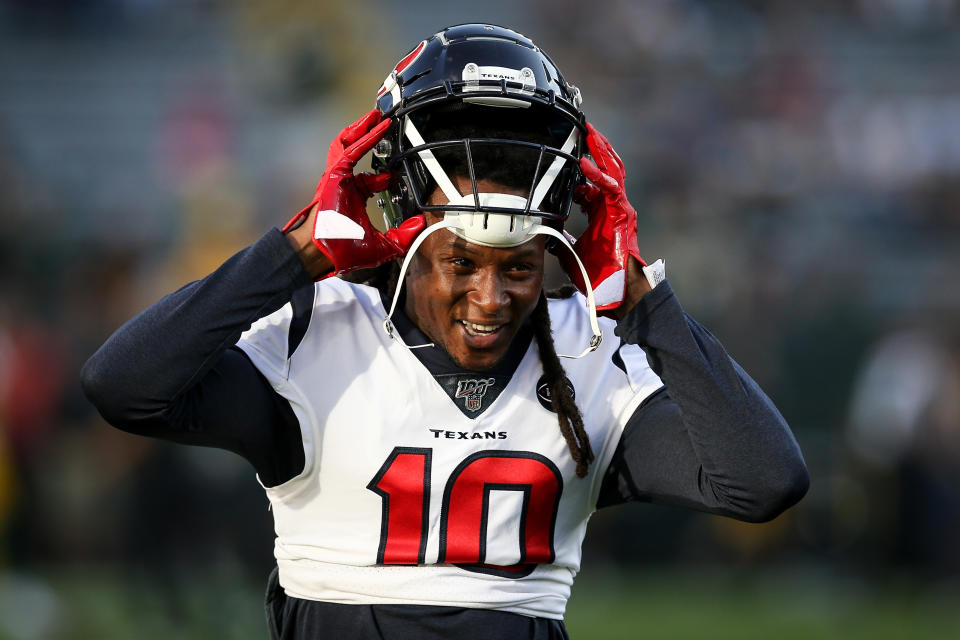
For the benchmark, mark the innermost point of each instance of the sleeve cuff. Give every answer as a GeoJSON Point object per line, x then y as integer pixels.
{"type": "Point", "coordinates": [632, 325]}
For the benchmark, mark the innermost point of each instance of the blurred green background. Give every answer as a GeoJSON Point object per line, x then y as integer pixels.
{"type": "Point", "coordinates": [796, 164]}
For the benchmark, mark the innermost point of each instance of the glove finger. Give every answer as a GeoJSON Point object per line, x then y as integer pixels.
{"type": "Point", "coordinates": [612, 154]}
{"type": "Point", "coordinates": [604, 154]}
{"type": "Point", "coordinates": [359, 148]}
{"type": "Point", "coordinates": [595, 146]}
{"type": "Point", "coordinates": [370, 183]}
{"type": "Point", "coordinates": [404, 235]}
{"type": "Point", "coordinates": [605, 183]}
{"type": "Point", "coordinates": [350, 134]}
{"type": "Point", "coordinates": [356, 130]}
{"type": "Point", "coordinates": [584, 194]}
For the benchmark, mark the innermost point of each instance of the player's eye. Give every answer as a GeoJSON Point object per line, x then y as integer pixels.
{"type": "Point", "coordinates": [461, 263]}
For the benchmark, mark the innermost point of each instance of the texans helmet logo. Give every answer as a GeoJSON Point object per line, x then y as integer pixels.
{"type": "Point", "coordinates": [405, 62]}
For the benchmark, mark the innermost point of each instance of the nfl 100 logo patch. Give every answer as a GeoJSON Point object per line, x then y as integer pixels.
{"type": "Point", "coordinates": [472, 391]}
{"type": "Point", "coordinates": [543, 392]}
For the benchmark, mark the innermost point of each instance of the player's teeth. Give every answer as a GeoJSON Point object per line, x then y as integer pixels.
{"type": "Point", "coordinates": [477, 329]}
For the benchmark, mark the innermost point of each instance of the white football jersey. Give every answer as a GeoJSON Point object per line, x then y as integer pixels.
{"type": "Point", "coordinates": [404, 499]}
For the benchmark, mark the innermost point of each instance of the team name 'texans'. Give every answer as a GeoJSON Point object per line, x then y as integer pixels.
{"type": "Point", "coordinates": [466, 435]}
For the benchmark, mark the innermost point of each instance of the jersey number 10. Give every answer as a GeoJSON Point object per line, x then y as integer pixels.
{"type": "Point", "coordinates": [403, 483]}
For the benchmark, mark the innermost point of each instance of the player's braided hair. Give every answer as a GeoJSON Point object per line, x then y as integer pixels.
{"type": "Point", "coordinates": [561, 391]}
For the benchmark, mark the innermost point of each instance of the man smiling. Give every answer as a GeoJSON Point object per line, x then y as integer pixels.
{"type": "Point", "coordinates": [486, 293]}
{"type": "Point", "coordinates": [430, 461]}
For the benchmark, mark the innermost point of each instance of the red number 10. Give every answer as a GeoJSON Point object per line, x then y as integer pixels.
{"type": "Point", "coordinates": [403, 484]}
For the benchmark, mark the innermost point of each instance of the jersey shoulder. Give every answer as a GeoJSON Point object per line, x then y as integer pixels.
{"type": "Point", "coordinates": [272, 340]}
{"type": "Point", "coordinates": [570, 322]}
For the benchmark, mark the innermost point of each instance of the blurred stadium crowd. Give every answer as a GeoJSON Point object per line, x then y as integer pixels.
{"type": "Point", "coordinates": [797, 164]}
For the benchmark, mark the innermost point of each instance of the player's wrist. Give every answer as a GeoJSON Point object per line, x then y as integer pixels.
{"type": "Point", "coordinates": [315, 261]}
{"type": "Point", "coordinates": [641, 280]}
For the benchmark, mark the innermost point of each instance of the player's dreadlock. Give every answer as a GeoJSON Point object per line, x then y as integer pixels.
{"type": "Point", "coordinates": [561, 391]}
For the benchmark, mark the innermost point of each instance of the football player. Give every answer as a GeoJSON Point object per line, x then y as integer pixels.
{"type": "Point", "coordinates": [432, 430]}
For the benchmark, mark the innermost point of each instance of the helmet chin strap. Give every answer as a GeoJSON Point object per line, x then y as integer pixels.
{"type": "Point", "coordinates": [453, 221]}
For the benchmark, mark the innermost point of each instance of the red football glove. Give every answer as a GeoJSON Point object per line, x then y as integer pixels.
{"type": "Point", "coordinates": [341, 229]}
{"type": "Point", "coordinates": [611, 234]}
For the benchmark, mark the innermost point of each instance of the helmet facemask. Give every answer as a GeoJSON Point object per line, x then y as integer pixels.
{"type": "Point", "coordinates": [516, 147]}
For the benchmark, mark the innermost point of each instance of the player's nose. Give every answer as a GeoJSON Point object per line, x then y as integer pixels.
{"type": "Point", "coordinates": [489, 293]}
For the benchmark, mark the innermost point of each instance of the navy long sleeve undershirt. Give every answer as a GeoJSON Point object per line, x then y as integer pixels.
{"type": "Point", "coordinates": [710, 440]}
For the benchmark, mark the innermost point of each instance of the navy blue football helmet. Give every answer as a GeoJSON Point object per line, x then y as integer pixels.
{"type": "Point", "coordinates": [481, 102]}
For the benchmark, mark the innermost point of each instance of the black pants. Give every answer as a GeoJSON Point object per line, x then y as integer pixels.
{"type": "Point", "coordinates": [296, 619]}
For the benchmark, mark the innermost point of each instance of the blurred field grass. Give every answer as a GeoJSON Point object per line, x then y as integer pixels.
{"type": "Point", "coordinates": [721, 605]}
{"type": "Point", "coordinates": [680, 604]}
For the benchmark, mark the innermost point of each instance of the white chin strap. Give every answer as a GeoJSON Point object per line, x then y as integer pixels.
{"type": "Point", "coordinates": [517, 227]}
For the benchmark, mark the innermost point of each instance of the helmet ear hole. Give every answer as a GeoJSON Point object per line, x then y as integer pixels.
{"type": "Point", "coordinates": [395, 205]}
